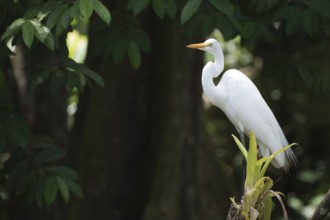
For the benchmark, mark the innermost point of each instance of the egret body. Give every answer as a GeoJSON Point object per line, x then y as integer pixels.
{"type": "Point", "coordinates": [238, 97]}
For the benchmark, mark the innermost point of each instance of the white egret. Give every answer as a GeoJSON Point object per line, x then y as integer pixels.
{"type": "Point", "coordinates": [238, 97]}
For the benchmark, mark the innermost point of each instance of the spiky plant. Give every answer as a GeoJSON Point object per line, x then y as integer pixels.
{"type": "Point", "coordinates": [257, 200]}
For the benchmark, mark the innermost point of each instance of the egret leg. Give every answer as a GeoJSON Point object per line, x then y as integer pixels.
{"type": "Point", "coordinates": [242, 137]}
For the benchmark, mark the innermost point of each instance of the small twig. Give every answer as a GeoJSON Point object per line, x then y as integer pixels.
{"type": "Point", "coordinates": [323, 208]}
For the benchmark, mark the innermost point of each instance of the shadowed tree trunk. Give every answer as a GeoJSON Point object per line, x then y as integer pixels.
{"type": "Point", "coordinates": [139, 145]}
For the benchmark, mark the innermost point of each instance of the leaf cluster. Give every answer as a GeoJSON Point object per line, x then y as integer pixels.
{"type": "Point", "coordinates": [27, 162]}
{"type": "Point", "coordinates": [257, 200]}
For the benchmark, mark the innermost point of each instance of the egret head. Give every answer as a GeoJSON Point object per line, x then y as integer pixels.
{"type": "Point", "coordinates": [211, 45]}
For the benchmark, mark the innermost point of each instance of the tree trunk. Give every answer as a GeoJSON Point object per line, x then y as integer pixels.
{"type": "Point", "coordinates": [140, 146]}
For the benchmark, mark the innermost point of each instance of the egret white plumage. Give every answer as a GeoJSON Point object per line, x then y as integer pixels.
{"type": "Point", "coordinates": [238, 97]}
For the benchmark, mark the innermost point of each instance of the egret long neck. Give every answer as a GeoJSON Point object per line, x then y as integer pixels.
{"type": "Point", "coordinates": [219, 62]}
{"type": "Point", "coordinates": [210, 71]}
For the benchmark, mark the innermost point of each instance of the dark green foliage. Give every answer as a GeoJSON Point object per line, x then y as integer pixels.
{"type": "Point", "coordinates": [291, 37]}
{"type": "Point", "coordinates": [30, 172]}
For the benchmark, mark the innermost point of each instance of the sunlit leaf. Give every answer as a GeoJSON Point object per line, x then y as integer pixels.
{"type": "Point", "coordinates": [13, 29]}
{"type": "Point", "coordinates": [28, 33]}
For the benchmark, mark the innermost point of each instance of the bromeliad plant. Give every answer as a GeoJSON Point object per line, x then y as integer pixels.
{"type": "Point", "coordinates": [257, 200]}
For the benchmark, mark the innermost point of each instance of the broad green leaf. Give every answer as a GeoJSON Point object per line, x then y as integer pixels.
{"type": "Point", "coordinates": [41, 31]}
{"type": "Point", "coordinates": [224, 6]}
{"type": "Point", "coordinates": [54, 16]}
{"type": "Point", "coordinates": [73, 80]}
{"type": "Point", "coordinates": [13, 29]}
{"type": "Point", "coordinates": [66, 18]}
{"type": "Point", "coordinates": [86, 7]}
{"type": "Point", "coordinates": [63, 188]}
{"type": "Point", "coordinates": [102, 11]}
{"type": "Point", "coordinates": [268, 208]}
{"type": "Point", "coordinates": [159, 8]}
{"type": "Point", "coordinates": [63, 171]}
{"type": "Point", "coordinates": [28, 33]}
{"type": "Point", "coordinates": [50, 154]}
{"type": "Point", "coordinates": [189, 10]}
{"type": "Point", "coordinates": [50, 190]}
{"type": "Point", "coordinates": [134, 55]}
{"type": "Point", "coordinates": [74, 188]}
{"type": "Point", "coordinates": [93, 75]}
{"type": "Point", "coordinates": [50, 41]}
{"type": "Point", "coordinates": [251, 162]}
{"type": "Point", "coordinates": [171, 8]}
{"type": "Point", "coordinates": [85, 70]}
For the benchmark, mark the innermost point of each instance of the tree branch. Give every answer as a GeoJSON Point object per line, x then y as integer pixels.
{"type": "Point", "coordinates": [323, 208]}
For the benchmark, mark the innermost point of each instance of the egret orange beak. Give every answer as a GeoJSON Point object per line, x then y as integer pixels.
{"type": "Point", "coordinates": [196, 46]}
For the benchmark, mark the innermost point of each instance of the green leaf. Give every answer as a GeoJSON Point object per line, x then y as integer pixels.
{"type": "Point", "coordinates": [102, 11]}
{"type": "Point", "coordinates": [159, 8]}
{"type": "Point", "coordinates": [50, 41]}
{"type": "Point", "coordinates": [74, 188]}
{"type": "Point", "coordinates": [189, 10]}
{"type": "Point", "coordinates": [50, 190]}
{"type": "Point", "coordinates": [251, 162]}
{"type": "Point", "coordinates": [13, 29]}
{"type": "Point", "coordinates": [66, 19]}
{"type": "Point", "coordinates": [93, 75]}
{"type": "Point", "coordinates": [134, 54]}
{"type": "Point", "coordinates": [63, 171]}
{"type": "Point", "coordinates": [28, 33]}
{"type": "Point", "coordinates": [63, 188]}
{"type": "Point", "coordinates": [171, 9]}
{"type": "Point", "coordinates": [54, 16]}
{"type": "Point", "coordinates": [73, 80]}
{"type": "Point", "coordinates": [50, 154]}
{"type": "Point", "coordinates": [240, 146]}
{"type": "Point", "coordinates": [86, 7]}
{"type": "Point", "coordinates": [41, 31]}
{"type": "Point", "coordinates": [224, 6]}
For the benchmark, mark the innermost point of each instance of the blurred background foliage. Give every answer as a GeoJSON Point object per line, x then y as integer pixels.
{"type": "Point", "coordinates": [111, 85]}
